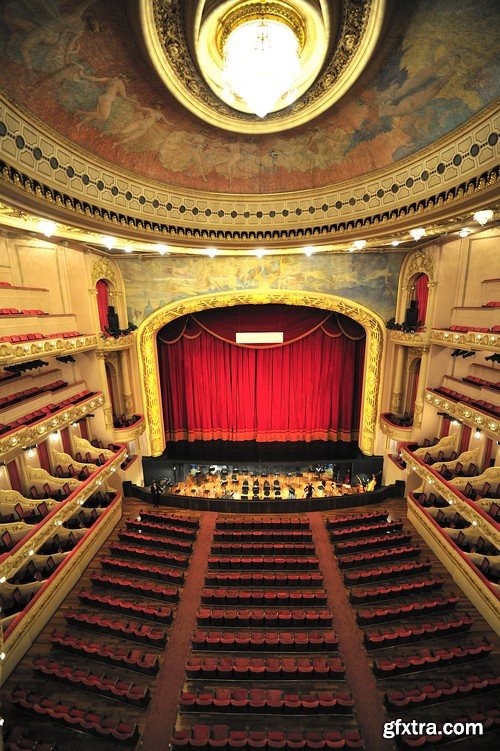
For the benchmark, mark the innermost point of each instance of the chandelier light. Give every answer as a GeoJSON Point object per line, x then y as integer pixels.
{"type": "Point", "coordinates": [261, 63]}
{"type": "Point", "coordinates": [484, 216]}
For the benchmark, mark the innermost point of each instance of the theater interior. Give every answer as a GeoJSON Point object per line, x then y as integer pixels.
{"type": "Point", "coordinates": [249, 375]}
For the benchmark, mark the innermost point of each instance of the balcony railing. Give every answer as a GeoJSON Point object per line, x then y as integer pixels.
{"type": "Point", "coordinates": [472, 340]}
{"type": "Point", "coordinates": [130, 432]}
{"type": "Point", "coordinates": [11, 353]}
{"type": "Point", "coordinates": [112, 344]}
{"type": "Point", "coordinates": [28, 435]}
{"type": "Point", "coordinates": [465, 413]}
{"type": "Point", "coordinates": [391, 428]}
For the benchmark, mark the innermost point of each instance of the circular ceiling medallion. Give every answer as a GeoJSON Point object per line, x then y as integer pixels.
{"type": "Point", "coordinates": [185, 43]}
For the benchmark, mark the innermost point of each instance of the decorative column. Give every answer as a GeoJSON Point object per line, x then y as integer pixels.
{"type": "Point", "coordinates": [108, 411]}
{"type": "Point", "coordinates": [399, 372]}
{"type": "Point", "coordinates": [429, 316]}
{"type": "Point", "coordinates": [93, 305]}
{"type": "Point", "coordinates": [422, 385]}
{"type": "Point", "coordinates": [126, 386]}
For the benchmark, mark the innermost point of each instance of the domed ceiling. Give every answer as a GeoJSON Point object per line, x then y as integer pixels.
{"type": "Point", "coordinates": [88, 124]}
{"type": "Point", "coordinates": [78, 68]}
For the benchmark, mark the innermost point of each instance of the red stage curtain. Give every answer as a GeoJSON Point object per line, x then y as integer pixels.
{"type": "Point", "coordinates": [308, 388]}
{"type": "Point", "coordinates": [43, 456]}
{"type": "Point", "coordinates": [102, 303]}
{"type": "Point", "coordinates": [13, 472]}
{"type": "Point", "coordinates": [421, 296]}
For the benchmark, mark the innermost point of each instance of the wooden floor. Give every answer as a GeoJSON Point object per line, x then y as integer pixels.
{"type": "Point", "coordinates": [69, 740]}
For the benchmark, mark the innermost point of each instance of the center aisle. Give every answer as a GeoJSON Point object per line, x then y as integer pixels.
{"type": "Point", "coordinates": [164, 707]}
{"type": "Point", "coordinates": [369, 709]}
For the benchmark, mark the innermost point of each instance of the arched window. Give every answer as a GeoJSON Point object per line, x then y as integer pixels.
{"type": "Point", "coordinates": [102, 303]}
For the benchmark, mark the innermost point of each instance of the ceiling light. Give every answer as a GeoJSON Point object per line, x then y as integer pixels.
{"type": "Point", "coordinates": [262, 62]}
{"type": "Point", "coordinates": [417, 233]}
{"type": "Point", "coordinates": [483, 216]}
{"type": "Point", "coordinates": [259, 254]}
{"type": "Point", "coordinates": [46, 227]}
{"type": "Point", "coordinates": [162, 249]}
{"type": "Point", "coordinates": [309, 250]}
{"type": "Point", "coordinates": [351, 249]}
{"type": "Point", "coordinates": [395, 243]}
{"type": "Point", "coordinates": [211, 252]}
{"type": "Point", "coordinates": [464, 232]}
{"type": "Point", "coordinates": [31, 453]}
{"type": "Point", "coordinates": [109, 241]}
{"type": "Point", "coordinates": [128, 250]}
{"type": "Point", "coordinates": [359, 244]}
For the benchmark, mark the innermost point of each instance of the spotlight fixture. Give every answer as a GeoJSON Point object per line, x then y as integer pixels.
{"type": "Point", "coordinates": [417, 233]}
{"type": "Point", "coordinates": [128, 250]}
{"type": "Point", "coordinates": [483, 216]}
{"type": "Point", "coordinates": [46, 227]}
{"type": "Point", "coordinates": [109, 241]}
{"type": "Point", "coordinates": [477, 433]}
{"type": "Point", "coordinates": [54, 436]}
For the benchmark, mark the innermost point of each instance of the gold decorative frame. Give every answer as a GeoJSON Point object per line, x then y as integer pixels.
{"type": "Point", "coordinates": [148, 356]}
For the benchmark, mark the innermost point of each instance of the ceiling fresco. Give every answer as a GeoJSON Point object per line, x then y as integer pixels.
{"type": "Point", "coordinates": [76, 67]}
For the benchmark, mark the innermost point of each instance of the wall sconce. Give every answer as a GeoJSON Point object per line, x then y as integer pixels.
{"type": "Point", "coordinates": [54, 436]}
{"type": "Point", "coordinates": [30, 450]}
{"type": "Point", "coordinates": [477, 433]}
{"type": "Point", "coordinates": [455, 423]}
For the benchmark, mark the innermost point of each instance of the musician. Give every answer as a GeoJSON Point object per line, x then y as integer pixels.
{"type": "Point", "coordinates": [308, 491]}
{"type": "Point", "coordinates": [155, 493]}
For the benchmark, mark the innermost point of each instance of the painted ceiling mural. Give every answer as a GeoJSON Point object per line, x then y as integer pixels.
{"type": "Point", "coordinates": [370, 279]}
{"type": "Point", "coordinates": [76, 66]}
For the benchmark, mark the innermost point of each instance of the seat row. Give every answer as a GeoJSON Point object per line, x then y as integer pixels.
{"type": "Point", "coordinates": [166, 518]}
{"type": "Point", "coordinates": [143, 569]}
{"type": "Point", "coordinates": [264, 579]}
{"type": "Point", "coordinates": [115, 688]}
{"type": "Point", "coordinates": [303, 563]}
{"type": "Point", "coordinates": [263, 522]}
{"type": "Point", "coordinates": [373, 614]}
{"type": "Point", "coordinates": [367, 517]}
{"type": "Point", "coordinates": [221, 737]}
{"type": "Point", "coordinates": [140, 610]}
{"type": "Point", "coordinates": [27, 515]}
{"type": "Point", "coordinates": [265, 668]}
{"type": "Point", "coordinates": [476, 381]}
{"type": "Point", "coordinates": [84, 719]}
{"type": "Point", "coordinates": [378, 573]}
{"type": "Point", "coordinates": [436, 657]}
{"type": "Point", "coordinates": [170, 559]}
{"type": "Point", "coordinates": [364, 530]}
{"type": "Point", "coordinates": [133, 630]}
{"type": "Point", "coordinates": [19, 739]}
{"type": "Point", "coordinates": [390, 591]}
{"type": "Point", "coordinates": [262, 700]}
{"type": "Point", "coordinates": [367, 543]}
{"type": "Point", "coordinates": [167, 543]}
{"type": "Point", "coordinates": [263, 535]}
{"type": "Point", "coordinates": [36, 336]}
{"type": "Point", "coordinates": [262, 641]}
{"type": "Point", "coordinates": [156, 591]}
{"type": "Point", "coordinates": [20, 396]}
{"type": "Point", "coordinates": [44, 412]}
{"type": "Point", "coordinates": [258, 617]}
{"type": "Point", "coordinates": [163, 528]}
{"type": "Point", "coordinates": [416, 631]}
{"type": "Point", "coordinates": [361, 559]}
{"type": "Point", "coordinates": [131, 659]}
{"type": "Point", "coordinates": [263, 548]}
{"type": "Point", "coordinates": [458, 397]}
{"type": "Point", "coordinates": [429, 693]}
{"type": "Point", "coordinates": [23, 312]}
{"type": "Point", "coordinates": [263, 597]}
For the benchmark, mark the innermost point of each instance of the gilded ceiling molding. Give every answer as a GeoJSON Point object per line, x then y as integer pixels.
{"type": "Point", "coordinates": [162, 28]}
{"type": "Point", "coordinates": [424, 188]}
{"type": "Point", "coordinates": [148, 356]}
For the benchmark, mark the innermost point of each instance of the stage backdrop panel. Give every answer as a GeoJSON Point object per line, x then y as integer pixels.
{"type": "Point", "coordinates": [307, 388]}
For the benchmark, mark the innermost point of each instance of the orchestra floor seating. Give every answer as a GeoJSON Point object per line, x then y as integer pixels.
{"type": "Point", "coordinates": [264, 667]}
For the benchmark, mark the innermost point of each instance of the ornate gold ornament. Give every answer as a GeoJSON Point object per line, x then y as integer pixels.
{"type": "Point", "coordinates": [102, 269]}
{"type": "Point", "coordinates": [148, 356]}
{"type": "Point", "coordinates": [465, 413]}
{"type": "Point", "coordinates": [473, 339]}
{"type": "Point", "coordinates": [173, 34]}
{"type": "Point", "coordinates": [13, 353]}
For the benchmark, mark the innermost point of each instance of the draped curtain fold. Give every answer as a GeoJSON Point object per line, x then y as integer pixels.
{"type": "Point", "coordinates": [15, 480]}
{"type": "Point", "coordinates": [308, 388]}
{"type": "Point", "coordinates": [102, 303]}
{"type": "Point", "coordinates": [43, 456]}
{"type": "Point", "coordinates": [421, 296]}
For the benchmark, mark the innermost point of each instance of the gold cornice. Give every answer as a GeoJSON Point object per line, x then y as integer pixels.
{"type": "Point", "coordinates": [465, 413]}
{"type": "Point", "coordinates": [148, 356]}
{"type": "Point", "coordinates": [474, 340]}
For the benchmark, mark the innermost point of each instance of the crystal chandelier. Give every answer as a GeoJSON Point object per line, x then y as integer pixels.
{"type": "Point", "coordinates": [262, 63]}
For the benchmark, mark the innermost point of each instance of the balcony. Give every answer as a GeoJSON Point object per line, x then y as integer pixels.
{"type": "Point", "coordinates": [114, 344]}
{"type": "Point", "coordinates": [15, 352]}
{"type": "Point", "coordinates": [390, 426]}
{"type": "Point", "coordinates": [418, 339]}
{"type": "Point", "coordinates": [27, 435]}
{"type": "Point", "coordinates": [465, 413]}
{"type": "Point", "coordinates": [480, 341]}
{"type": "Point", "coordinates": [131, 431]}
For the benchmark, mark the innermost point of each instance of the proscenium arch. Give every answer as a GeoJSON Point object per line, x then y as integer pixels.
{"type": "Point", "coordinates": [148, 355]}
